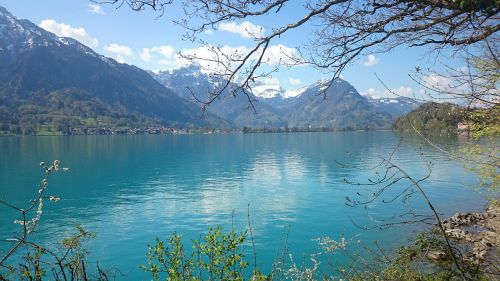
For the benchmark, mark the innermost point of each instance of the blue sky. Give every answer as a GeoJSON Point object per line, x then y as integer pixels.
{"type": "Point", "coordinates": [142, 39]}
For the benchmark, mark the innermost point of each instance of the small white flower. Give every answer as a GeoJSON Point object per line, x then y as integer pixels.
{"type": "Point", "coordinates": [56, 165]}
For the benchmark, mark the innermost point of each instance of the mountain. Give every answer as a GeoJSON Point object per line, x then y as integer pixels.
{"type": "Point", "coordinates": [338, 106]}
{"type": "Point", "coordinates": [275, 96]}
{"type": "Point", "coordinates": [191, 81]}
{"type": "Point", "coordinates": [432, 116]}
{"type": "Point", "coordinates": [51, 83]}
{"type": "Point", "coordinates": [395, 106]}
{"type": "Point", "coordinates": [343, 107]}
{"type": "Point", "coordinates": [46, 79]}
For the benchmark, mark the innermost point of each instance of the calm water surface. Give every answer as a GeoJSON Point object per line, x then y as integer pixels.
{"type": "Point", "coordinates": [132, 189]}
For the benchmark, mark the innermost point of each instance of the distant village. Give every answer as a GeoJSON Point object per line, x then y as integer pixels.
{"type": "Point", "coordinates": [173, 130]}
{"type": "Point", "coordinates": [138, 131]}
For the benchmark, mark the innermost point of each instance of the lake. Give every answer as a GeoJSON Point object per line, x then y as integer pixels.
{"type": "Point", "coordinates": [131, 189]}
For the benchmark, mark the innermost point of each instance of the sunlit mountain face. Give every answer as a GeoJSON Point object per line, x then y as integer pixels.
{"type": "Point", "coordinates": [329, 105]}
{"type": "Point", "coordinates": [47, 79]}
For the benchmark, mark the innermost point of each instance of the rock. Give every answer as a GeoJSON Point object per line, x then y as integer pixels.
{"type": "Point", "coordinates": [436, 255]}
{"type": "Point", "coordinates": [491, 215]}
{"type": "Point", "coordinates": [456, 233]}
{"type": "Point", "coordinates": [480, 231]}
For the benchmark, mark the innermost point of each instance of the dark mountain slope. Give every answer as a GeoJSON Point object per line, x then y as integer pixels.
{"type": "Point", "coordinates": [341, 108]}
{"type": "Point", "coordinates": [35, 64]}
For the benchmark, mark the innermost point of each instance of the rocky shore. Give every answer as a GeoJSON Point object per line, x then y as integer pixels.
{"type": "Point", "coordinates": [480, 231]}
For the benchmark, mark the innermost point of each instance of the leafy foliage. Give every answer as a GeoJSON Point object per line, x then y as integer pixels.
{"type": "Point", "coordinates": [40, 263]}
{"type": "Point", "coordinates": [478, 5]}
{"type": "Point", "coordinates": [482, 152]}
{"type": "Point", "coordinates": [412, 262]}
{"type": "Point", "coordinates": [484, 122]}
{"type": "Point", "coordinates": [431, 116]}
{"type": "Point", "coordinates": [218, 257]}
{"type": "Point", "coordinates": [26, 259]}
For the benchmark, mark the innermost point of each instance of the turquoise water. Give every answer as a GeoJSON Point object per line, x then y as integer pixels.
{"type": "Point", "coordinates": [131, 189]}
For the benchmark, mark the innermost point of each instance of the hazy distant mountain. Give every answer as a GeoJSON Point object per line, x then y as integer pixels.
{"type": "Point", "coordinates": [396, 106]}
{"type": "Point", "coordinates": [45, 78]}
{"type": "Point", "coordinates": [275, 101]}
{"type": "Point", "coordinates": [189, 81]}
{"type": "Point", "coordinates": [336, 106]}
{"type": "Point", "coordinates": [343, 107]}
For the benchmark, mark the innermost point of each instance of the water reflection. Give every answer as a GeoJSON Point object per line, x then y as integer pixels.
{"type": "Point", "coordinates": [131, 189]}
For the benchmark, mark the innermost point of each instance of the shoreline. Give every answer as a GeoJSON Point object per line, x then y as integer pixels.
{"type": "Point", "coordinates": [204, 131]}
{"type": "Point", "coordinates": [478, 233]}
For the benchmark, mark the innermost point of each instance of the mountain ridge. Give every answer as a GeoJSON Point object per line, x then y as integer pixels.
{"type": "Point", "coordinates": [60, 84]}
{"type": "Point", "coordinates": [336, 106]}
{"type": "Point", "coordinates": [38, 64]}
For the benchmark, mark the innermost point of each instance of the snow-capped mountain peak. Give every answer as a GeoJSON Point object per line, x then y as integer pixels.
{"type": "Point", "coordinates": [17, 36]}
{"type": "Point", "coordinates": [394, 105]}
{"type": "Point", "coordinates": [266, 90]}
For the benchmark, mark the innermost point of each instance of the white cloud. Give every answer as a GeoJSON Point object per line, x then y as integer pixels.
{"type": "Point", "coordinates": [174, 62]}
{"type": "Point", "coordinates": [212, 58]}
{"type": "Point", "coordinates": [119, 52]}
{"type": "Point", "coordinates": [165, 56]}
{"type": "Point", "coordinates": [119, 49]}
{"type": "Point", "coordinates": [371, 60]}
{"type": "Point", "coordinates": [271, 83]}
{"type": "Point", "coordinates": [437, 82]}
{"type": "Point", "coordinates": [294, 92]}
{"type": "Point", "coordinates": [245, 29]}
{"type": "Point", "coordinates": [168, 58]}
{"type": "Point", "coordinates": [145, 54]}
{"type": "Point", "coordinates": [65, 30]}
{"type": "Point", "coordinates": [120, 59]}
{"type": "Point", "coordinates": [266, 87]}
{"type": "Point", "coordinates": [96, 9]}
{"type": "Point", "coordinates": [447, 87]}
{"type": "Point", "coordinates": [371, 92]}
{"type": "Point", "coordinates": [208, 56]}
{"type": "Point", "coordinates": [401, 91]}
{"type": "Point", "coordinates": [280, 54]}
{"type": "Point", "coordinates": [165, 52]}
{"type": "Point", "coordinates": [294, 81]}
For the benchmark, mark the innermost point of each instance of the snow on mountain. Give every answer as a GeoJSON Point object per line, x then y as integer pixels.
{"type": "Point", "coordinates": [189, 75]}
{"type": "Point", "coordinates": [293, 93]}
{"type": "Point", "coordinates": [396, 106]}
{"type": "Point", "coordinates": [18, 36]}
{"type": "Point", "coordinates": [267, 91]}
